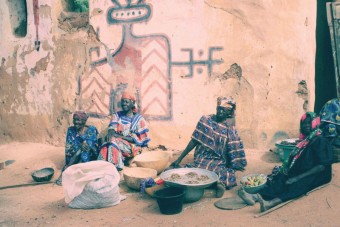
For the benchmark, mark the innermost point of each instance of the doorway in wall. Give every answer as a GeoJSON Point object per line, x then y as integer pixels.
{"type": "Point", "coordinates": [79, 6]}
{"type": "Point", "coordinates": [325, 84]}
{"type": "Point", "coordinates": [18, 17]}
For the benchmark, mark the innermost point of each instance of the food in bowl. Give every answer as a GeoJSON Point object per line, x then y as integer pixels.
{"type": "Point", "coordinates": [253, 182]}
{"type": "Point", "coordinates": [188, 178]}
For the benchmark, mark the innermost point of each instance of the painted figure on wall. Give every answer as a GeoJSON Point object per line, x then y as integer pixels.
{"type": "Point", "coordinates": [140, 63]}
{"type": "Point", "coordinates": [123, 60]}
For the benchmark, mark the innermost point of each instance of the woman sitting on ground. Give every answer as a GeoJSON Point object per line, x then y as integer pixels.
{"type": "Point", "coordinates": [127, 134]}
{"type": "Point", "coordinates": [308, 167]}
{"type": "Point", "coordinates": [81, 142]}
{"type": "Point", "coordinates": [218, 146]}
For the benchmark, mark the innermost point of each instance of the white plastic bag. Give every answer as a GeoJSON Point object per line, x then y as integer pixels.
{"type": "Point", "coordinates": [91, 185]}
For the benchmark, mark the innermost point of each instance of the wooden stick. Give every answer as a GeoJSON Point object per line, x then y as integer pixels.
{"type": "Point", "coordinates": [285, 203]}
{"type": "Point", "coordinates": [273, 208]}
{"type": "Point", "coordinates": [322, 186]}
{"type": "Point", "coordinates": [24, 185]}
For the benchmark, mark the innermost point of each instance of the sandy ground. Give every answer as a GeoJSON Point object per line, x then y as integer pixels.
{"type": "Point", "coordinates": [44, 205]}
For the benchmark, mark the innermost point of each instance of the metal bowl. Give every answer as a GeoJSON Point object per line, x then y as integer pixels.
{"type": "Point", "coordinates": [42, 175]}
{"type": "Point", "coordinates": [166, 177]}
{"type": "Point", "coordinates": [193, 194]}
{"type": "Point", "coordinates": [193, 191]}
{"type": "Point", "coordinates": [253, 189]}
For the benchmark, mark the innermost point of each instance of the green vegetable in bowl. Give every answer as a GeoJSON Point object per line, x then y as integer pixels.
{"type": "Point", "coordinates": [253, 181]}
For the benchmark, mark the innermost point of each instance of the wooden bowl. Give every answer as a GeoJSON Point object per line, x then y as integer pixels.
{"type": "Point", "coordinates": [158, 160]}
{"type": "Point", "coordinates": [134, 176]}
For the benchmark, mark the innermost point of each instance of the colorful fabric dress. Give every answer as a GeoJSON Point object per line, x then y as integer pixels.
{"type": "Point", "coordinates": [74, 141]}
{"type": "Point", "coordinates": [118, 149]}
{"type": "Point", "coordinates": [330, 118]}
{"type": "Point", "coordinates": [311, 151]}
{"type": "Point", "coordinates": [219, 149]}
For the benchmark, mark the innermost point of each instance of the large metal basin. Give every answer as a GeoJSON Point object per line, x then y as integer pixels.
{"type": "Point", "coordinates": [193, 191]}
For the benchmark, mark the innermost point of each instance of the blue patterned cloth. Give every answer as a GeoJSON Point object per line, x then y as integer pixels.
{"type": "Point", "coordinates": [330, 117]}
{"type": "Point", "coordinates": [74, 141]}
{"type": "Point", "coordinates": [146, 183]}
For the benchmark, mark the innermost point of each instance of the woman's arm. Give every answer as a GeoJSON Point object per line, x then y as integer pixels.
{"type": "Point", "coordinates": [312, 171]}
{"type": "Point", "coordinates": [75, 159]}
{"type": "Point", "coordinates": [191, 145]}
{"type": "Point", "coordinates": [112, 133]}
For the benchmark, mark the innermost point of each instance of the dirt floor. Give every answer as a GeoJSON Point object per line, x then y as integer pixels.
{"type": "Point", "coordinates": [44, 205]}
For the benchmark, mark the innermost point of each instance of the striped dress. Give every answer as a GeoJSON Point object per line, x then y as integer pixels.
{"type": "Point", "coordinates": [219, 149]}
{"type": "Point", "coordinates": [118, 149]}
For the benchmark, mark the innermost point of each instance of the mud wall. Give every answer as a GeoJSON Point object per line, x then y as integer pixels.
{"type": "Point", "coordinates": [177, 56]}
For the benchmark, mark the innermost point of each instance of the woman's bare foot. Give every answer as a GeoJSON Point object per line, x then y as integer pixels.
{"type": "Point", "coordinates": [249, 199]}
{"type": "Point", "coordinates": [263, 203]}
{"type": "Point", "coordinates": [266, 205]}
{"type": "Point", "coordinates": [219, 190]}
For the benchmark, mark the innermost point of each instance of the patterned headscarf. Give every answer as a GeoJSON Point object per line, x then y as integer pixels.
{"type": "Point", "coordinates": [130, 96]}
{"type": "Point", "coordinates": [80, 115]}
{"type": "Point", "coordinates": [330, 117]}
{"type": "Point", "coordinates": [226, 102]}
{"type": "Point", "coordinates": [300, 147]}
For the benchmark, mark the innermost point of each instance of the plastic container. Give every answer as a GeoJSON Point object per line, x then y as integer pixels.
{"type": "Point", "coordinates": [284, 152]}
{"type": "Point", "coordinates": [285, 147]}
{"type": "Point", "coordinates": [170, 200]}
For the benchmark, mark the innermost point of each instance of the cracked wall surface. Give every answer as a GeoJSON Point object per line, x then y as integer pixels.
{"type": "Point", "coordinates": [177, 56]}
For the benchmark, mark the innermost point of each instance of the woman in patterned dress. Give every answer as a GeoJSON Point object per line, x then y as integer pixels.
{"type": "Point", "coordinates": [309, 166]}
{"type": "Point", "coordinates": [127, 134]}
{"type": "Point", "coordinates": [81, 142]}
{"type": "Point", "coordinates": [218, 146]}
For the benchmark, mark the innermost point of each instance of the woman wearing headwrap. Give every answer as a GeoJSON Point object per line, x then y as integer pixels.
{"type": "Point", "coordinates": [218, 146]}
{"type": "Point", "coordinates": [127, 134]}
{"type": "Point", "coordinates": [330, 125]}
{"type": "Point", "coordinates": [81, 142]}
{"type": "Point", "coordinates": [308, 167]}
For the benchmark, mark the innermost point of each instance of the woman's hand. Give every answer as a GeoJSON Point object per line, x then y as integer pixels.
{"type": "Point", "coordinates": [110, 133]}
{"type": "Point", "coordinates": [85, 147]}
